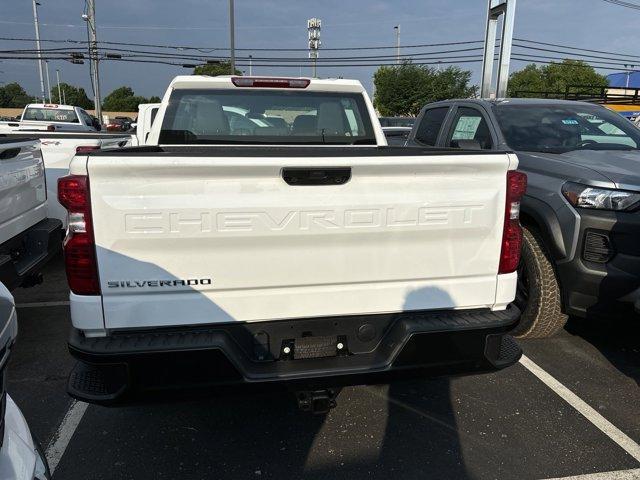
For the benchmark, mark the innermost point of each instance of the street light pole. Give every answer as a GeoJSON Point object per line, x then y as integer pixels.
{"type": "Point", "coordinates": [250, 65]}
{"type": "Point", "coordinates": [37, 26]}
{"type": "Point", "coordinates": [232, 38]}
{"type": "Point", "coordinates": [93, 50]}
{"type": "Point", "coordinates": [59, 90]}
{"type": "Point", "coordinates": [397, 29]}
{"type": "Point", "coordinates": [46, 68]}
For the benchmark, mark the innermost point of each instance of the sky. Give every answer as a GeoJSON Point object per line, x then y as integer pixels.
{"type": "Point", "coordinates": [593, 24]}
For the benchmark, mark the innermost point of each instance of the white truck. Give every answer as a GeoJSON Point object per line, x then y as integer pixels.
{"type": "Point", "coordinates": [53, 118]}
{"type": "Point", "coordinates": [28, 238]}
{"type": "Point", "coordinates": [303, 252]}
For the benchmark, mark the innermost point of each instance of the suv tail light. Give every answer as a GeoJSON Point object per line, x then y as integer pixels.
{"type": "Point", "coordinates": [512, 232]}
{"type": "Point", "coordinates": [86, 149]}
{"type": "Point", "coordinates": [271, 82]}
{"type": "Point", "coordinates": [79, 245]}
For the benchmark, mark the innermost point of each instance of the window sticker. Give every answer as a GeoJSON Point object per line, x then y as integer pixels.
{"type": "Point", "coordinates": [570, 121]}
{"type": "Point", "coordinates": [466, 128]}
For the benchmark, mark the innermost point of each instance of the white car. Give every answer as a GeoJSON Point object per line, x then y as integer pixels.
{"type": "Point", "coordinates": [21, 458]}
{"type": "Point", "coordinates": [301, 251]}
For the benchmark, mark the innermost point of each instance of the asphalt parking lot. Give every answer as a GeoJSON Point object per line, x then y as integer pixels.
{"type": "Point", "coordinates": [570, 408]}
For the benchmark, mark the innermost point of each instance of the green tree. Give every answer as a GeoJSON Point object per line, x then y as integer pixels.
{"type": "Point", "coordinates": [155, 99]}
{"type": "Point", "coordinates": [555, 77]}
{"type": "Point", "coordinates": [404, 89]}
{"type": "Point", "coordinates": [12, 95]}
{"type": "Point", "coordinates": [123, 99]}
{"type": "Point", "coordinates": [213, 70]}
{"type": "Point", "coordinates": [71, 95]}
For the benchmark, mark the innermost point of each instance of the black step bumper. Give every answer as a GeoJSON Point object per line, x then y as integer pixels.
{"type": "Point", "coordinates": [134, 366]}
{"type": "Point", "coordinates": [25, 254]}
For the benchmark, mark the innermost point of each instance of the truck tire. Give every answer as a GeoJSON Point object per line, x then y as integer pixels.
{"type": "Point", "coordinates": [538, 293]}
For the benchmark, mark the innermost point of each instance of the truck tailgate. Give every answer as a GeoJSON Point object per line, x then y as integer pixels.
{"type": "Point", "coordinates": [200, 236]}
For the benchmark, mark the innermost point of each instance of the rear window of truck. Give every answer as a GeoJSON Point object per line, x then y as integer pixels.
{"type": "Point", "coordinates": [200, 116]}
{"type": "Point", "coordinates": [50, 115]}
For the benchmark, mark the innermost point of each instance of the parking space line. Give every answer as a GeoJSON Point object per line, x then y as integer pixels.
{"type": "Point", "coordinates": [62, 437]}
{"type": "Point", "coordinates": [64, 303]}
{"type": "Point", "coordinates": [609, 429]}
{"type": "Point", "coordinates": [633, 474]}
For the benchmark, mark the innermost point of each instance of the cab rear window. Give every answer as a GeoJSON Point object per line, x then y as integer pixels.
{"type": "Point", "coordinates": [202, 116]}
{"type": "Point", "coordinates": [50, 115]}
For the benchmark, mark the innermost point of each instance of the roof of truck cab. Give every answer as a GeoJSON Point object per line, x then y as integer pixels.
{"type": "Point", "coordinates": [50, 105]}
{"type": "Point", "coordinates": [224, 81]}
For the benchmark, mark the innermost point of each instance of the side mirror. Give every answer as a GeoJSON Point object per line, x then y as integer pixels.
{"type": "Point", "coordinates": [96, 124]}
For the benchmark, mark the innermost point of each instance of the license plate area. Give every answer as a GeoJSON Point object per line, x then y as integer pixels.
{"type": "Point", "coordinates": [314, 347]}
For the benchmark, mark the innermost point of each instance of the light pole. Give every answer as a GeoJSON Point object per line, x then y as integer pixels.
{"type": "Point", "coordinates": [232, 38]}
{"type": "Point", "coordinates": [250, 65]}
{"type": "Point", "coordinates": [46, 68]}
{"type": "Point", "coordinates": [397, 29]}
{"type": "Point", "coordinates": [59, 90]}
{"type": "Point", "coordinates": [37, 26]}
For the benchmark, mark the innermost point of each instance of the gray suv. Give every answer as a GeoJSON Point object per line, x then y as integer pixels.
{"type": "Point", "coordinates": [581, 212]}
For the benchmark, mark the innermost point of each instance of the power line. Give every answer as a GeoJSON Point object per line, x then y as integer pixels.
{"type": "Point", "coordinates": [621, 3]}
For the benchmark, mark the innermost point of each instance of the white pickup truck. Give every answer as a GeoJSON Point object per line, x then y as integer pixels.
{"type": "Point", "coordinates": [28, 239]}
{"type": "Point", "coordinates": [266, 234]}
{"type": "Point", "coordinates": [52, 117]}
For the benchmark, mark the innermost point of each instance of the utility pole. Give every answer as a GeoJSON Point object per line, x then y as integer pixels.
{"type": "Point", "coordinates": [93, 55]}
{"type": "Point", "coordinates": [232, 37]}
{"type": "Point", "coordinates": [397, 29]}
{"type": "Point", "coordinates": [46, 68]}
{"type": "Point", "coordinates": [497, 9]}
{"type": "Point", "coordinates": [35, 21]}
{"type": "Point", "coordinates": [250, 65]}
{"type": "Point", "coordinates": [313, 27]}
{"type": "Point", "coordinates": [59, 90]}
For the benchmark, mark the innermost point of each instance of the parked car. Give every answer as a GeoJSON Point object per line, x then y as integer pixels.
{"type": "Point", "coordinates": [116, 125]}
{"type": "Point", "coordinates": [396, 135]}
{"type": "Point", "coordinates": [397, 121]}
{"type": "Point", "coordinates": [28, 237]}
{"type": "Point", "coordinates": [21, 456]}
{"type": "Point", "coordinates": [51, 117]}
{"type": "Point", "coordinates": [581, 210]}
{"type": "Point", "coordinates": [127, 121]}
{"type": "Point", "coordinates": [311, 255]}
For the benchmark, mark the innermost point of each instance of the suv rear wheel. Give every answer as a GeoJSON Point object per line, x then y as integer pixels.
{"type": "Point", "coordinates": [538, 292]}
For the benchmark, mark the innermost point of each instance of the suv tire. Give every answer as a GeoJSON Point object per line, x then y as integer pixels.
{"type": "Point", "coordinates": [538, 293]}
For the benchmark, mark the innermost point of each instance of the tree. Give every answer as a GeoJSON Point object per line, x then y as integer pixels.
{"type": "Point", "coordinates": [71, 95]}
{"type": "Point", "coordinates": [213, 70]}
{"type": "Point", "coordinates": [555, 77]}
{"type": "Point", "coordinates": [123, 99]}
{"type": "Point", "coordinates": [12, 95]}
{"type": "Point", "coordinates": [155, 99]}
{"type": "Point", "coordinates": [404, 89]}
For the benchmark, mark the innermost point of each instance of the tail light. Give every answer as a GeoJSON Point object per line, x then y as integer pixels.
{"type": "Point", "coordinates": [86, 149]}
{"type": "Point", "coordinates": [79, 245]}
{"type": "Point", "coordinates": [512, 232]}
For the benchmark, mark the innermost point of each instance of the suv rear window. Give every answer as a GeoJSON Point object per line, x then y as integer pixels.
{"type": "Point", "coordinates": [235, 116]}
{"type": "Point", "coordinates": [50, 115]}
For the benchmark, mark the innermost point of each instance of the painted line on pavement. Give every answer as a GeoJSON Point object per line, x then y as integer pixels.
{"type": "Point", "coordinates": [608, 428]}
{"type": "Point", "coordinates": [633, 474]}
{"type": "Point", "coordinates": [64, 303]}
{"type": "Point", "coordinates": [62, 437]}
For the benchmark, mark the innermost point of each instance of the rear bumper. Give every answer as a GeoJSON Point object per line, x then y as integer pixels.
{"type": "Point", "coordinates": [25, 254]}
{"type": "Point", "coordinates": [596, 288]}
{"type": "Point", "coordinates": [133, 366]}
